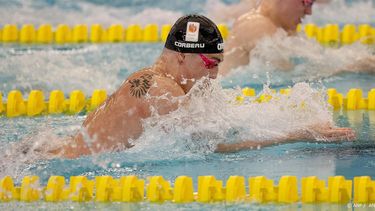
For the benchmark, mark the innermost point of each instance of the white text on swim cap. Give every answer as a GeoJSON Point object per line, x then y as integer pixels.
{"type": "Point", "coordinates": [189, 45]}
{"type": "Point", "coordinates": [220, 46]}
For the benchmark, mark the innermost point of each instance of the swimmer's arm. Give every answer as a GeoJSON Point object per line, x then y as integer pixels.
{"type": "Point", "coordinates": [362, 65]}
{"type": "Point", "coordinates": [73, 147]}
{"type": "Point", "coordinates": [248, 145]}
{"type": "Point", "coordinates": [327, 133]}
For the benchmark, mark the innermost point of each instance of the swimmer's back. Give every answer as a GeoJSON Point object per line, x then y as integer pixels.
{"type": "Point", "coordinates": [141, 87]}
{"type": "Point", "coordinates": [145, 86]}
{"type": "Point", "coordinates": [119, 118]}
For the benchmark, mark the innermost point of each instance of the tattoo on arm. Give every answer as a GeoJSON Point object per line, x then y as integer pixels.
{"type": "Point", "coordinates": [140, 86]}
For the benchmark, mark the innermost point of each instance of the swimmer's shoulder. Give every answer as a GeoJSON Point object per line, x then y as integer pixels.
{"type": "Point", "coordinates": [146, 72]}
{"type": "Point", "coordinates": [255, 22]}
{"type": "Point", "coordinates": [249, 29]}
{"type": "Point", "coordinates": [148, 81]}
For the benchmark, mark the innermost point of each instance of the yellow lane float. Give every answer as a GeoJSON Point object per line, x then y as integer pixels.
{"type": "Point", "coordinates": [330, 35]}
{"type": "Point", "coordinates": [339, 190]}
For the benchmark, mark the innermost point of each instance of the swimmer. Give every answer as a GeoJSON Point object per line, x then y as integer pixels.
{"type": "Point", "coordinates": [270, 17]}
{"type": "Point", "coordinates": [193, 50]}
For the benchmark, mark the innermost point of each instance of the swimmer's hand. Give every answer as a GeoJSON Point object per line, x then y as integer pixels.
{"type": "Point", "coordinates": [325, 134]}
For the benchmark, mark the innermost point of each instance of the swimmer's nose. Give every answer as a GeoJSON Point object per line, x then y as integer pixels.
{"type": "Point", "coordinates": [213, 73]}
{"type": "Point", "coordinates": [308, 10]}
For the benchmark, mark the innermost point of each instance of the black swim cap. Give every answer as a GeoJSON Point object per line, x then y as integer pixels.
{"type": "Point", "coordinates": [195, 34]}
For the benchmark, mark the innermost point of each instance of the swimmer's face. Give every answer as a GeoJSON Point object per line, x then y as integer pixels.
{"type": "Point", "coordinates": [197, 66]}
{"type": "Point", "coordinates": [291, 12]}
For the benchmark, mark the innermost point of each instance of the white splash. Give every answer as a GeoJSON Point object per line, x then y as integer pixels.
{"type": "Point", "coordinates": [211, 116]}
{"type": "Point", "coordinates": [305, 59]}
{"type": "Point", "coordinates": [42, 134]}
{"type": "Point", "coordinates": [208, 115]}
{"type": "Point", "coordinates": [340, 12]}
{"type": "Point", "coordinates": [18, 158]}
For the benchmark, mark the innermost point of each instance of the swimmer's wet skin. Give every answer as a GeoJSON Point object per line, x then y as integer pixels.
{"type": "Point", "coordinates": [193, 50]}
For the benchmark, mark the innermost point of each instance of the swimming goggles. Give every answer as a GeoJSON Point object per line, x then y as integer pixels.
{"type": "Point", "coordinates": [209, 63]}
{"type": "Point", "coordinates": [308, 3]}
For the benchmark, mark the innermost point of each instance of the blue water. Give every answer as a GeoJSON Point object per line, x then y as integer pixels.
{"type": "Point", "coordinates": [88, 67]}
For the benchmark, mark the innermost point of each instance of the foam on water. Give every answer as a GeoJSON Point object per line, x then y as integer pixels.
{"type": "Point", "coordinates": [90, 67]}
{"type": "Point", "coordinates": [17, 151]}
{"type": "Point", "coordinates": [209, 115]}
{"type": "Point", "coordinates": [341, 12]}
{"type": "Point", "coordinates": [303, 60]}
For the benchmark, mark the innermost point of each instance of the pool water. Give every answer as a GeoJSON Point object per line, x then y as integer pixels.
{"type": "Point", "coordinates": [88, 67]}
{"type": "Point", "coordinates": [299, 159]}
